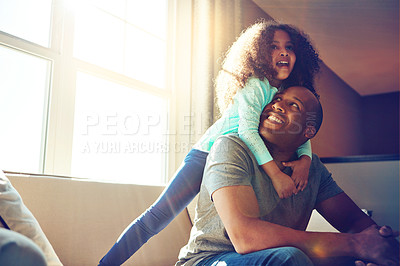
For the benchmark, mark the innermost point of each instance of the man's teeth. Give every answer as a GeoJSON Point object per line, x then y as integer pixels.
{"type": "Point", "coordinates": [275, 119]}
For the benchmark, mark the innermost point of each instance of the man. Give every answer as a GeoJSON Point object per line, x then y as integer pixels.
{"type": "Point", "coordinates": [240, 220]}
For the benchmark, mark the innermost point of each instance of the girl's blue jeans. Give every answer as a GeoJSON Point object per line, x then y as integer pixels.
{"type": "Point", "coordinates": [180, 191]}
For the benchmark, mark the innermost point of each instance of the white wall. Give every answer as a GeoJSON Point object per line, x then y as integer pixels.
{"type": "Point", "coordinates": [372, 186]}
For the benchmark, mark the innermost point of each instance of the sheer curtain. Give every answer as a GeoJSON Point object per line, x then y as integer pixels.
{"type": "Point", "coordinates": [216, 25]}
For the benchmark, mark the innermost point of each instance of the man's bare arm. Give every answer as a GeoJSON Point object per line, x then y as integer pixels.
{"type": "Point", "coordinates": [238, 208]}
{"type": "Point", "coordinates": [342, 213]}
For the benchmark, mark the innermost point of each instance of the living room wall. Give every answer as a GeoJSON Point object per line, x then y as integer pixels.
{"type": "Point", "coordinates": [380, 117]}
{"type": "Point", "coordinates": [353, 125]}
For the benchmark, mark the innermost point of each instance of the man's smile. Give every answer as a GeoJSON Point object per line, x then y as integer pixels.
{"type": "Point", "coordinates": [275, 119]}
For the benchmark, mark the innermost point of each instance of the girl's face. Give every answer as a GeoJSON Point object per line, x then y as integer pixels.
{"type": "Point", "coordinates": [283, 56]}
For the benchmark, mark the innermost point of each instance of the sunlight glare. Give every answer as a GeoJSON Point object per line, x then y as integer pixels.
{"type": "Point", "coordinates": [125, 37]}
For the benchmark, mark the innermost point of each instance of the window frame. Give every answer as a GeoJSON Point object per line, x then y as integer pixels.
{"type": "Point", "coordinates": [58, 136]}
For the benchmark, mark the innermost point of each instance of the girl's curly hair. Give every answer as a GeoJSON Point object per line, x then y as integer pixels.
{"type": "Point", "coordinates": [250, 56]}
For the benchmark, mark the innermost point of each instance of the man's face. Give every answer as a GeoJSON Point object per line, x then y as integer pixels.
{"type": "Point", "coordinates": [284, 121]}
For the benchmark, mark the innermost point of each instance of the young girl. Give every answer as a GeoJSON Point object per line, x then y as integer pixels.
{"type": "Point", "coordinates": [266, 56]}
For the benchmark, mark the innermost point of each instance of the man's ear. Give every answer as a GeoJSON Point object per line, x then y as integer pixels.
{"type": "Point", "coordinates": [310, 132]}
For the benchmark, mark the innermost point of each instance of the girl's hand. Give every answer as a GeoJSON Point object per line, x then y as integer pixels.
{"type": "Point", "coordinates": [283, 185]}
{"type": "Point", "coordinates": [300, 168]}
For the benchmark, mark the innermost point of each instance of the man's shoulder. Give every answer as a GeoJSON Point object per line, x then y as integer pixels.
{"type": "Point", "coordinates": [316, 163]}
{"type": "Point", "coordinates": [315, 158]}
{"type": "Point", "coordinates": [229, 163]}
{"type": "Point", "coordinates": [231, 140]}
{"type": "Point", "coordinates": [318, 171]}
{"type": "Point", "coordinates": [232, 147]}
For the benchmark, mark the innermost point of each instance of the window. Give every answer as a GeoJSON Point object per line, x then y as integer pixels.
{"type": "Point", "coordinates": [29, 20]}
{"type": "Point", "coordinates": [85, 88]}
{"type": "Point", "coordinates": [24, 80]}
{"type": "Point", "coordinates": [129, 35]}
{"type": "Point", "coordinates": [119, 132]}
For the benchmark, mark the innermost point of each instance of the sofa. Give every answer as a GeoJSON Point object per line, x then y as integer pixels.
{"type": "Point", "coordinates": [82, 219]}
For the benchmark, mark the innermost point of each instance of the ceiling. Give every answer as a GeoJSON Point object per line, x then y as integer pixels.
{"type": "Point", "coordinates": [357, 39]}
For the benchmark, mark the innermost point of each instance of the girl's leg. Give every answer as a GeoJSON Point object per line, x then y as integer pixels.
{"type": "Point", "coordinates": [181, 190]}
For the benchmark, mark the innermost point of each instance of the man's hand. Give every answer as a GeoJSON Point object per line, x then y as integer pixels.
{"type": "Point", "coordinates": [377, 246]}
{"type": "Point", "coordinates": [283, 185]}
{"type": "Point", "coordinates": [301, 168]}
{"type": "Point", "coordinates": [384, 231]}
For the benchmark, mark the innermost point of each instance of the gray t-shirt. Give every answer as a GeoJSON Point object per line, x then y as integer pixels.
{"type": "Point", "coordinates": [230, 163]}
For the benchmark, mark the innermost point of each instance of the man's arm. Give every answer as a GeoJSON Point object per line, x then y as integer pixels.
{"type": "Point", "coordinates": [343, 214]}
{"type": "Point", "coordinates": [238, 208]}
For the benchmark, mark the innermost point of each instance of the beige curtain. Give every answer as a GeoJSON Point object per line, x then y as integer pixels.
{"type": "Point", "coordinates": [216, 25]}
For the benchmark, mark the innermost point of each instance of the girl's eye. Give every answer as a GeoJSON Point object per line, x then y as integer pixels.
{"type": "Point", "coordinates": [290, 48]}
{"type": "Point", "coordinates": [274, 47]}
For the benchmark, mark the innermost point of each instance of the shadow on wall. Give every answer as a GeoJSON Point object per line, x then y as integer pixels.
{"type": "Point", "coordinates": [380, 127]}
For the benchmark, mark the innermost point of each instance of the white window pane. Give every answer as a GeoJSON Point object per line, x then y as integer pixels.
{"type": "Point", "coordinates": [115, 7]}
{"type": "Point", "coordinates": [145, 57]}
{"type": "Point", "coordinates": [27, 19]}
{"type": "Point", "coordinates": [119, 133]}
{"type": "Point", "coordinates": [135, 47]}
{"type": "Point", "coordinates": [99, 38]}
{"type": "Point", "coordinates": [149, 15]}
{"type": "Point", "coordinates": [24, 87]}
